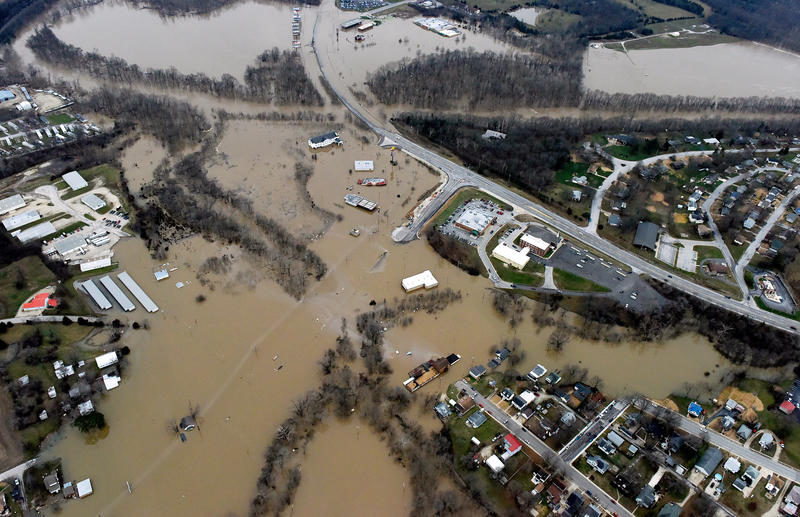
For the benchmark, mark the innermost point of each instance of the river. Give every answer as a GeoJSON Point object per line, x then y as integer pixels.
{"type": "Point", "coordinates": [724, 70]}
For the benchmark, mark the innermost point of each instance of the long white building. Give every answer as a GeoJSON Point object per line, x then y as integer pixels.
{"type": "Point", "coordinates": [15, 221]}
{"type": "Point", "coordinates": [74, 180]}
{"type": "Point", "coordinates": [36, 232]}
{"type": "Point", "coordinates": [11, 203]}
{"type": "Point", "coordinates": [510, 256]}
{"type": "Point", "coordinates": [424, 279]}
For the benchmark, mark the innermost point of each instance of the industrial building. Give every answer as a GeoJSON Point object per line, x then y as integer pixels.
{"type": "Point", "coordinates": [6, 95]}
{"type": "Point", "coordinates": [117, 294]}
{"type": "Point", "coordinates": [318, 142]}
{"type": "Point", "coordinates": [137, 292]}
{"type": "Point", "coordinates": [474, 221]}
{"type": "Point", "coordinates": [510, 256]}
{"type": "Point", "coordinates": [360, 202]}
{"type": "Point", "coordinates": [100, 263]}
{"type": "Point", "coordinates": [106, 360]}
{"type": "Point", "coordinates": [424, 279]}
{"type": "Point", "coordinates": [92, 201]}
{"type": "Point", "coordinates": [646, 235]}
{"type": "Point", "coordinates": [74, 180]}
{"type": "Point", "coordinates": [16, 221]}
{"type": "Point", "coordinates": [70, 244]}
{"type": "Point", "coordinates": [97, 296]}
{"type": "Point", "coordinates": [36, 232]}
{"type": "Point", "coordinates": [349, 24]}
{"type": "Point", "coordinates": [439, 26]}
{"type": "Point", "coordinates": [364, 165]}
{"type": "Point", "coordinates": [11, 203]}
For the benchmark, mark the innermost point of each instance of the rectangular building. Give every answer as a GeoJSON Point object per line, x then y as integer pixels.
{"type": "Point", "coordinates": [97, 296]}
{"type": "Point", "coordinates": [11, 203]}
{"type": "Point", "coordinates": [117, 293]}
{"type": "Point", "coordinates": [74, 180]}
{"type": "Point", "coordinates": [349, 24]}
{"type": "Point", "coordinates": [16, 221]}
{"type": "Point", "coordinates": [70, 244]}
{"type": "Point", "coordinates": [364, 165]}
{"type": "Point", "coordinates": [474, 221]}
{"type": "Point", "coordinates": [137, 292]}
{"type": "Point", "coordinates": [106, 360]}
{"type": "Point", "coordinates": [510, 256]}
{"type": "Point", "coordinates": [539, 246]}
{"type": "Point", "coordinates": [318, 142]}
{"type": "Point", "coordinates": [91, 265]}
{"type": "Point", "coordinates": [92, 201]}
{"type": "Point", "coordinates": [36, 232]}
{"type": "Point", "coordinates": [424, 279]}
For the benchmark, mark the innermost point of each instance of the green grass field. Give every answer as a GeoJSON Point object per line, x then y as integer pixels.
{"type": "Point", "coordinates": [707, 252]}
{"type": "Point", "coordinates": [59, 118]}
{"type": "Point", "coordinates": [655, 9]}
{"type": "Point", "coordinates": [626, 152]}
{"type": "Point", "coordinates": [571, 282]}
{"type": "Point", "coordinates": [555, 20]}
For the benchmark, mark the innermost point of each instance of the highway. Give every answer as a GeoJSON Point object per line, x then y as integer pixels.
{"type": "Point", "coordinates": [458, 177]}
{"type": "Point", "coordinates": [543, 450]}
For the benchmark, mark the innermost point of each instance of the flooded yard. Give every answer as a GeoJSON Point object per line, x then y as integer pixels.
{"type": "Point", "coordinates": [725, 70]}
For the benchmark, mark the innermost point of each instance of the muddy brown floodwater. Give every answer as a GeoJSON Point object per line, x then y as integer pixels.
{"type": "Point", "coordinates": [218, 355]}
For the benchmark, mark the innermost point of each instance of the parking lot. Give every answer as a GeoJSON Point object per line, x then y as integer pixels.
{"type": "Point", "coordinates": [486, 208]}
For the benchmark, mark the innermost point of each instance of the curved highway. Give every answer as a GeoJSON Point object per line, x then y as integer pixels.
{"type": "Point", "coordinates": [458, 177]}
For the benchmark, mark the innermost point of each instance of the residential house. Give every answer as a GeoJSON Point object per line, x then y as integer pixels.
{"type": "Point", "coordinates": [597, 463]}
{"type": "Point", "coordinates": [709, 461]}
{"type": "Point", "coordinates": [556, 490]}
{"type": "Point", "coordinates": [728, 422]}
{"type": "Point", "coordinates": [51, 483]}
{"type": "Point", "coordinates": [442, 410]}
{"type": "Point", "coordinates": [751, 475]}
{"type": "Point", "coordinates": [766, 441]}
{"type": "Point", "coordinates": [506, 394]}
{"type": "Point", "coordinates": [581, 391]}
{"type": "Point", "coordinates": [695, 410]}
{"type": "Point", "coordinates": [476, 372]}
{"type": "Point", "coordinates": [512, 446]}
{"type": "Point", "coordinates": [614, 220]}
{"type": "Point", "coordinates": [732, 465]}
{"type": "Point", "coordinates": [523, 399]}
{"type": "Point", "coordinates": [616, 439]}
{"type": "Point", "coordinates": [744, 432]}
{"type": "Point", "coordinates": [787, 407]}
{"type": "Point", "coordinates": [606, 447]}
{"type": "Point", "coordinates": [552, 378]}
{"type": "Point", "coordinates": [464, 404]}
{"type": "Point", "coordinates": [537, 373]}
{"type": "Point", "coordinates": [646, 235]}
{"type": "Point", "coordinates": [670, 510]}
{"type": "Point", "coordinates": [476, 419]}
{"type": "Point", "coordinates": [646, 497]}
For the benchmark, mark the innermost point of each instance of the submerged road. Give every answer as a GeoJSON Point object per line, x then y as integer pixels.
{"type": "Point", "coordinates": [459, 176]}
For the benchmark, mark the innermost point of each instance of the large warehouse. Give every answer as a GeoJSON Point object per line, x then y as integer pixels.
{"type": "Point", "coordinates": [11, 203]}
{"type": "Point", "coordinates": [74, 180]}
{"type": "Point", "coordinates": [37, 232]}
{"type": "Point", "coordinates": [474, 221]}
{"type": "Point", "coordinates": [16, 221]}
{"type": "Point", "coordinates": [93, 202]}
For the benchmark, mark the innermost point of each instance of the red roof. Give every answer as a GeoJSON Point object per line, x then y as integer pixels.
{"type": "Point", "coordinates": [37, 302]}
{"type": "Point", "coordinates": [787, 407]}
{"type": "Point", "coordinates": [512, 443]}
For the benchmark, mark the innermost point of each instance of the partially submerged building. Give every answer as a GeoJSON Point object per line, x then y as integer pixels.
{"type": "Point", "coordinates": [424, 279]}
{"type": "Point", "coordinates": [324, 140]}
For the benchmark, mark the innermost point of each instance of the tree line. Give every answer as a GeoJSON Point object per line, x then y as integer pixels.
{"type": "Point", "coordinates": [776, 22]}
{"type": "Point", "coordinates": [183, 7]}
{"type": "Point", "coordinates": [277, 76]}
{"type": "Point", "coordinates": [481, 80]}
{"type": "Point", "coordinates": [16, 14]}
{"type": "Point", "coordinates": [599, 100]}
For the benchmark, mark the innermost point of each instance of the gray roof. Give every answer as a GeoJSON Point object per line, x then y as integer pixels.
{"type": "Point", "coordinates": [477, 371]}
{"type": "Point", "coordinates": [744, 431]}
{"type": "Point", "coordinates": [476, 419]}
{"type": "Point", "coordinates": [137, 292]}
{"type": "Point", "coordinates": [36, 232]}
{"type": "Point", "coordinates": [321, 138]}
{"type": "Point", "coordinates": [670, 510]}
{"type": "Point", "coordinates": [709, 461]}
{"type": "Point", "coordinates": [543, 233]}
{"type": "Point", "coordinates": [646, 235]}
{"type": "Point", "coordinates": [11, 203]}
{"type": "Point", "coordinates": [70, 244]}
{"type": "Point", "coordinates": [93, 201]}
{"type": "Point", "coordinates": [647, 497]}
{"type": "Point", "coordinates": [616, 439]}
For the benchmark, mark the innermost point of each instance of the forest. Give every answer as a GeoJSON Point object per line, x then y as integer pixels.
{"type": "Point", "coordinates": [16, 14]}
{"type": "Point", "coordinates": [775, 22]}
{"type": "Point", "coordinates": [180, 7]}
{"type": "Point", "coordinates": [482, 80]}
{"type": "Point", "coordinates": [276, 76]}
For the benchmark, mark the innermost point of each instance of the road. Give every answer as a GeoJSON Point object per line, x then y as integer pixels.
{"type": "Point", "coordinates": [592, 430]}
{"type": "Point", "coordinates": [458, 177]}
{"type": "Point", "coordinates": [712, 198]}
{"type": "Point", "coordinates": [548, 454]}
{"type": "Point", "coordinates": [762, 234]}
{"type": "Point", "coordinates": [17, 473]}
{"type": "Point", "coordinates": [731, 446]}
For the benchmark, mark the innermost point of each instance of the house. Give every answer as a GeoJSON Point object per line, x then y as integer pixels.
{"type": "Point", "coordinates": [646, 497]}
{"type": "Point", "coordinates": [748, 223]}
{"type": "Point", "coordinates": [324, 140]}
{"type": "Point", "coordinates": [614, 220]}
{"type": "Point", "coordinates": [670, 510]}
{"type": "Point", "coordinates": [476, 420]}
{"type": "Point", "coordinates": [506, 394]}
{"type": "Point", "coordinates": [728, 422]}
{"type": "Point", "coordinates": [523, 399]}
{"type": "Point", "coordinates": [442, 410]}
{"type": "Point", "coordinates": [598, 464]}
{"type": "Point", "coordinates": [616, 439]}
{"type": "Point", "coordinates": [744, 432]}
{"type": "Point", "coordinates": [787, 407]}
{"type": "Point", "coordinates": [502, 354]}
{"type": "Point", "coordinates": [793, 497]}
{"type": "Point", "coordinates": [751, 475]}
{"type": "Point", "coordinates": [695, 410]}
{"type": "Point", "coordinates": [568, 419]}
{"type": "Point", "coordinates": [512, 446]}
{"type": "Point", "coordinates": [732, 465]}
{"type": "Point", "coordinates": [581, 391]}
{"type": "Point", "coordinates": [555, 490]}
{"type": "Point", "coordinates": [577, 195]}
{"type": "Point", "coordinates": [464, 404]}
{"type": "Point", "coordinates": [717, 268]}
{"type": "Point", "coordinates": [84, 488]}
{"type": "Point", "coordinates": [69, 490]}
{"type": "Point", "coordinates": [552, 378]}
{"type": "Point", "coordinates": [606, 447]}
{"type": "Point", "coordinates": [704, 230]}
{"type": "Point", "coordinates": [491, 134]}
{"type": "Point", "coordinates": [646, 235]}
{"type": "Point", "coordinates": [537, 373]}
{"type": "Point", "coordinates": [574, 503]}
{"type": "Point", "coordinates": [188, 423]}
{"type": "Point", "coordinates": [709, 461]}
{"type": "Point", "coordinates": [476, 372]}
{"type": "Point", "coordinates": [697, 217]}
{"type": "Point", "coordinates": [51, 483]}
{"type": "Point", "coordinates": [526, 413]}
{"type": "Point", "coordinates": [494, 463]}
{"type": "Point", "coordinates": [622, 139]}
{"type": "Point", "coordinates": [766, 441]}
{"type": "Point", "coordinates": [592, 511]}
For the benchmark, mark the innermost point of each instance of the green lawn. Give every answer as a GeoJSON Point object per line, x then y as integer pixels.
{"type": "Point", "coordinates": [32, 275]}
{"type": "Point", "coordinates": [682, 41]}
{"type": "Point", "coordinates": [626, 152]}
{"type": "Point", "coordinates": [755, 505]}
{"type": "Point", "coordinates": [655, 9]}
{"type": "Point", "coordinates": [459, 199]}
{"type": "Point", "coordinates": [59, 118]}
{"type": "Point", "coordinates": [495, 5]}
{"type": "Point", "coordinates": [763, 305]}
{"type": "Point", "coordinates": [571, 282]}
{"type": "Point", "coordinates": [707, 252]}
{"type": "Point", "coordinates": [556, 20]}
{"type": "Point", "coordinates": [532, 274]}
{"type": "Point", "coordinates": [571, 169]}
{"type": "Point", "coordinates": [67, 229]}
{"type": "Point", "coordinates": [737, 251]}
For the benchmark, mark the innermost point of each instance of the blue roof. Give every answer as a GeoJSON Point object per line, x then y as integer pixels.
{"type": "Point", "coordinates": [695, 408]}
{"type": "Point", "coordinates": [6, 95]}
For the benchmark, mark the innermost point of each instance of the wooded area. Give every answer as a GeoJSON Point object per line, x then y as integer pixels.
{"type": "Point", "coordinates": [776, 22]}
{"type": "Point", "coordinates": [276, 76]}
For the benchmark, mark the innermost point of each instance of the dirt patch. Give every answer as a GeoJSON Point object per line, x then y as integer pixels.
{"type": "Point", "coordinates": [680, 218]}
{"type": "Point", "coordinates": [748, 400]}
{"type": "Point", "coordinates": [669, 404]}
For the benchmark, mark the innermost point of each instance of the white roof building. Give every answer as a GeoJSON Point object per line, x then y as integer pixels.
{"type": "Point", "coordinates": [123, 301]}
{"type": "Point", "coordinates": [732, 465]}
{"type": "Point", "coordinates": [510, 256]}
{"type": "Point", "coordinates": [97, 296]}
{"type": "Point", "coordinates": [92, 201]}
{"type": "Point", "coordinates": [110, 381]}
{"type": "Point", "coordinates": [424, 279]}
{"type": "Point", "coordinates": [494, 463]}
{"type": "Point", "coordinates": [106, 360]}
{"type": "Point", "coordinates": [364, 165]}
{"type": "Point", "coordinates": [84, 408]}
{"type": "Point", "coordinates": [11, 203]}
{"type": "Point", "coordinates": [36, 232]}
{"type": "Point", "coordinates": [70, 244]}
{"type": "Point", "coordinates": [474, 220]}
{"type": "Point", "coordinates": [15, 221]}
{"type": "Point", "coordinates": [84, 488]}
{"type": "Point", "coordinates": [137, 292]}
{"type": "Point", "coordinates": [96, 264]}
{"type": "Point", "coordinates": [161, 274]}
{"type": "Point", "coordinates": [75, 180]}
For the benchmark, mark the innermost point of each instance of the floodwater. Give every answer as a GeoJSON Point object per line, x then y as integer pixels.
{"type": "Point", "coordinates": [226, 41]}
{"type": "Point", "coordinates": [526, 15]}
{"type": "Point", "coordinates": [725, 70]}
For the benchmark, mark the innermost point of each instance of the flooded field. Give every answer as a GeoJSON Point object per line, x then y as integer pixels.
{"type": "Point", "coordinates": [726, 70]}
{"type": "Point", "coordinates": [225, 41]}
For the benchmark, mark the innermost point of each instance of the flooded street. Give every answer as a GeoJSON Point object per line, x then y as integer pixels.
{"type": "Point", "coordinates": [725, 70]}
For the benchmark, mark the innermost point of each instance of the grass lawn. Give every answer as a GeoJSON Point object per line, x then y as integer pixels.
{"type": "Point", "coordinates": [760, 388]}
{"type": "Point", "coordinates": [755, 505]}
{"type": "Point", "coordinates": [59, 118]}
{"type": "Point", "coordinates": [681, 402]}
{"type": "Point", "coordinates": [626, 152]}
{"type": "Point", "coordinates": [763, 305]}
{"type": "Point", "coordinates": [495, 5]}
{"type": "Point", "coordinates": [737, 251]}
{"type": "Point", "coordinates": [707, 252]}
{"type": "Point", "coordinates": [532, 274]}
{"type": "Point", "coordinates": [603, 482]}
{"type": "Point", "coordinates": [571, 282]}
{"type": "Point", "coordinates": [68, 334]}
{"type": "Point", "coordinates": [682, 41]}
{"type": "Point", "coordinates": [569, 170]}
{"type": "Point", "coordinates": [655, 9]}
{"type": "Point", "coordinates": [32, 275]}
{"type": "Point", "coordinates": [556, 20]}
{"type": "Point", "coordinates": [33, 436]}
{"type": "Point", "coordinates": [459, 199]}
